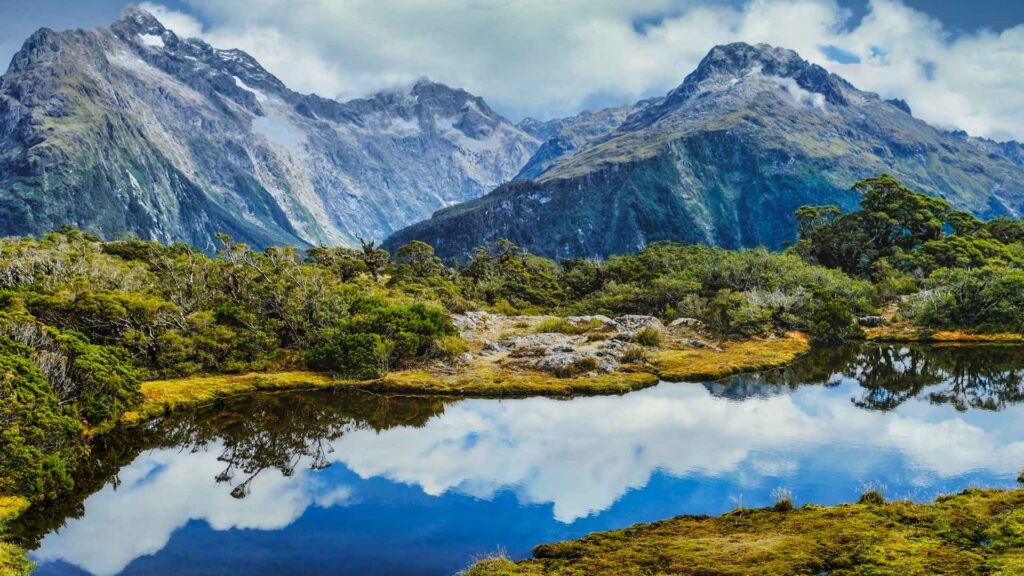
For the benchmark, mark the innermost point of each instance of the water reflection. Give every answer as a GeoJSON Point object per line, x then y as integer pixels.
{"type": "Point", "coordinates": [361, 484]}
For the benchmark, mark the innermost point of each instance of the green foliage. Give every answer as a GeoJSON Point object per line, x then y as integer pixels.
{"type": "Point", "coordinates": [379, 337]}
{"type": "Point", "coordinates": [989, 299]}
{"type": "Point", "coordinates": [649, 337]}
{"type": "Point", "coordinates": [40, 440]}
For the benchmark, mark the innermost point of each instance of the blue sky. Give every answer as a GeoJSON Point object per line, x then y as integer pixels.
{"type": "Point", "coordinates": [959, 64]}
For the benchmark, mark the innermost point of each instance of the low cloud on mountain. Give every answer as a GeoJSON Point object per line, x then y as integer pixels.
{"type": "Point", "coordinates": [543, 58]}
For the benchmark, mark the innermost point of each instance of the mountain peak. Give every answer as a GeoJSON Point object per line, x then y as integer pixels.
{"type": "Point", "coordinates": [139, 21]}
{"type": "Point", "coordinates": [741, 58]}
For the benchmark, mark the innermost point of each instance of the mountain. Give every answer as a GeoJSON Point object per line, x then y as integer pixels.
{"type": "Point", "coordinates": [725, 159]}
{"type": "Point", "coordinates": [133, 129]}
{"type": "Point", "coordinates": [563, 137]}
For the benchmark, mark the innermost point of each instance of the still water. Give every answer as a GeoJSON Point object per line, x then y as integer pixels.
{"type": "Point", "coordinates": [355, 483]}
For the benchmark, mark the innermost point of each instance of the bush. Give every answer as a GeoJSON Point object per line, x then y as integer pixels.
{"type": "Point", "coordinates": [649, 336]}
{"type": "Point", "coordinates": [732, 314]}
{"type": "Point", "coordinates": [41, 440]}
{"type": "Point", "coordinates": [379, 337]}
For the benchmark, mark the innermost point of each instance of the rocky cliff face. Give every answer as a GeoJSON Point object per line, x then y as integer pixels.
{"type": "Point", "coordinates": [133, 129]}
{"type": "Point", "coordinates": [725, 159]}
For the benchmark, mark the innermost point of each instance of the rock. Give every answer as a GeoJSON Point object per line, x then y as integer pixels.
{"type": "Point", "coordinates": [540, 344]}
{"type": "Point", "coordinates": [686, 324]}
{"type": "Point", "coordinates": [577, 321]}
{"type": "Point", "coordinates": [492, 346]}
{"type": "Point", "coordinates": [464, 359]}
{"type": "Point", "coordinates": [632, 324]}
{"type": "Point", "coordinates": [474, 321]}
{"type": "Point", "coordinates": [871, 321]}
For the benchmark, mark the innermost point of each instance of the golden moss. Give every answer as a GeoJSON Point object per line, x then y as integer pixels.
{"type": "Point", "coordinates": [976, 532]}
{"type": "Point", "coordinates": [162, 396]}
{"type": "Point", "coordinates": [493, 381]}
{"type": "Point", "coordinates": [902, 332]}
{"type": "Point", "coordinates": [13, 560]}
{"type": "Point", "coordinates": [10, 508]}
{"type": "Point", "coordinates": [735, 357]}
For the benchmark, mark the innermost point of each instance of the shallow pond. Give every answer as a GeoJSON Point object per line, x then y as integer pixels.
{"type": "Point", "coordinates": [355, 483]}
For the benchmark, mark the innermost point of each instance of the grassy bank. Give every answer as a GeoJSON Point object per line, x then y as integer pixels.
{"type": "Point", "coordinates": [484, 379]}
{"type": "Point", "coordinates": [976, 532]}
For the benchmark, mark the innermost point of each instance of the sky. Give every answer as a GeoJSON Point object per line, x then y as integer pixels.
{"type": "Point", "coordinates": [958, 64]}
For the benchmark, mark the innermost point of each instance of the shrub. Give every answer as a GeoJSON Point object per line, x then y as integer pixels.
{"type": "Point", "coordinates": [41, 440]}
{"type": "Point", "coordinates": [873, 497]}
{"type": "Point", "coordinates": [360, 355]}
{"type": "Point", "coordinates": [380, 337]}
{"type": "Point", "coordinates": [649, 336]}
{"type": "Point", "coordinates": [732, 314]}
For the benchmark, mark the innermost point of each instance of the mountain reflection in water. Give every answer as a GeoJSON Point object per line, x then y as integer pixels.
{"type": "Point", "coordinates": [355, 483]}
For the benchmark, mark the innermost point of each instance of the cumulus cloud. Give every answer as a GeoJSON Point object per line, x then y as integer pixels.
{"type": "Point", "coordinates": [543, 58]}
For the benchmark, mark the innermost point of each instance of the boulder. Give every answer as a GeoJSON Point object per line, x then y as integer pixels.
{"type": "Point", "coordinates": [871, 321]}
{"type": "Point", "coordinates": [686, 324]}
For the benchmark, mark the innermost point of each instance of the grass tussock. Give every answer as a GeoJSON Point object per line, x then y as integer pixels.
{"type": "Point", "coordinates": [563, 326]}
{"type": "Point", "coordinates": [973, 533]}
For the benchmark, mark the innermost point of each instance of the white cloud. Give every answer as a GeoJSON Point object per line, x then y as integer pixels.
{"type": "Point", "coordinates": [552, 58]}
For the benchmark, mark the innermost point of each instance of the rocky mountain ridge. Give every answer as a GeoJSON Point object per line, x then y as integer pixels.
{"type": "Point", "coordinates": [725, 159]}
{"type": "Point", "coordinates": [133, 129]}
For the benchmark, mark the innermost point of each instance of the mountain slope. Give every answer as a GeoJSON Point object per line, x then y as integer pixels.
{"type": "Point", "coordinates": [563, 137]}
{"type": "Point", "coordinates": [132, 129]}
{"type": "Point", "coordinates": [725, 159]}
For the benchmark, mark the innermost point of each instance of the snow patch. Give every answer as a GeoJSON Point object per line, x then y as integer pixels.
{"type": "Point", "coordinates": [154, 40]}
{"type": "Point", "coordinates": [259, 94]}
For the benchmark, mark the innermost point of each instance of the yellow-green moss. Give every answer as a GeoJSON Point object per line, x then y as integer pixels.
{"type": "Point", "coordinates": [163, 396]}
{"type": "Point", "coordinates": [735, 357]}
{"type": "Point", "coordinates": [976, 532]}
{"type": "Point", "coordinates": [13, 560]}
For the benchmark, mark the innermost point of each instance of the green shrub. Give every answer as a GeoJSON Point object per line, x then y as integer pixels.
{"type": "Point", "coordinates": [732, 314]}
{"type": "Point", "coordinates": [41, 441]}
{"type": "Point", "coordinates": [378, 338]}
{"type": "Point", "coordinates": [649, 336]}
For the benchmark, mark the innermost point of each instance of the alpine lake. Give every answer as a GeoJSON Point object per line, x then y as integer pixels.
{"type": "Point", "coordinates": [358, 483]}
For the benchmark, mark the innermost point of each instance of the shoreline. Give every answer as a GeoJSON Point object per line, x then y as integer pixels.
{"type": "Point", "coordinates": [976, 531]}
{"type": "Point", "coordinates": [479, 381]}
